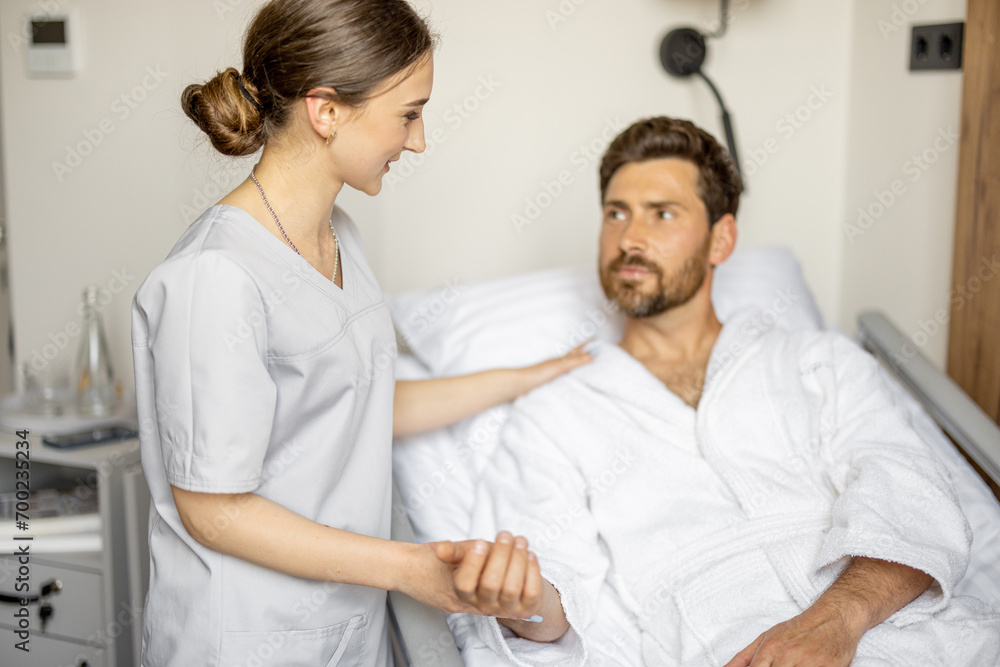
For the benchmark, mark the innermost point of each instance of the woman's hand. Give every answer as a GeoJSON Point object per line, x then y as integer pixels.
{"type": "Point", "coordinates": [429, 580]}
{"type": "Point", "coordinates": [539, 374]}
{"type": "Point", "coordinates": [503, 580]}
{"type": "Point", "coordinates": [421, 405]}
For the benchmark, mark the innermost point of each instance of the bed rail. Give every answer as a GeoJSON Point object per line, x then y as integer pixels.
{"type": "Point", "coordinates": [420, 634]}
{"type": "Point", "coordinates": [953, 410]}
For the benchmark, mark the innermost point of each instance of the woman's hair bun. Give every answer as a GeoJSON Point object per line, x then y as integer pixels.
{"type": "Point", "coordinates": [232, 122]}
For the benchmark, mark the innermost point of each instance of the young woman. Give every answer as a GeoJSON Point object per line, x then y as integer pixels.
{"type": "Point", "coordinates": [259, 345]}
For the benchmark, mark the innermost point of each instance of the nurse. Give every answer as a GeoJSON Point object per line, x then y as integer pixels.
{"type": "Point", "coordinates": [263, 357]}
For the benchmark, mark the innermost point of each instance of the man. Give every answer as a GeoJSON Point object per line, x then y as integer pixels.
{"type": "Point", "coordinates": [748, 495]}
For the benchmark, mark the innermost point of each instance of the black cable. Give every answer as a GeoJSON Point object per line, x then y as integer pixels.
{"type": "Point", "coordinates": [723, 21]}
{"type": "Point", "coordinates": [727, 123]}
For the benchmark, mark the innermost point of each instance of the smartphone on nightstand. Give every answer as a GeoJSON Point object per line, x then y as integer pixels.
{"type": "Point", "coordinates": [91, 437]}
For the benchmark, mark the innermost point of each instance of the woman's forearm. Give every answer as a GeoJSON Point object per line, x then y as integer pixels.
{"type": "Point", "coordinates": [262, 532]}
{"type": "Point", "coordinates": [422, 405]}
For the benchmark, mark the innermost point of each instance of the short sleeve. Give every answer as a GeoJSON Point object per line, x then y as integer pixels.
{"type": "Point", "coordinates": [213, 397]}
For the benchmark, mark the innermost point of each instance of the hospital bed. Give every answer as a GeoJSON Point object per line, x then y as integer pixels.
{"type": "Point", "coordinates": [524, 319]}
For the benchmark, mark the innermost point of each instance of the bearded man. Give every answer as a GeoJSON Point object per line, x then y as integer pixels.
{"type": "Point", "coordinates": [763, 499]}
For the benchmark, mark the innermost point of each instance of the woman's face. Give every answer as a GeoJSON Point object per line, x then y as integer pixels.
{"type": "Point", "coordinates": [373, 137]}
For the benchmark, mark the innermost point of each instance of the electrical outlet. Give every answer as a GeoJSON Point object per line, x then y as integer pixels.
{"type": "Point", "coordinates": [937, 46]}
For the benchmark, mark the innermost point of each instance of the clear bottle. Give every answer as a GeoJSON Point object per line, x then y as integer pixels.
{"type": "Point", "coordinates": [97, 392]}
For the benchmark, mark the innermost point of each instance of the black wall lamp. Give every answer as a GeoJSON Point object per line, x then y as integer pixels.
{"type": "Point", "coordinates": [682, 53]}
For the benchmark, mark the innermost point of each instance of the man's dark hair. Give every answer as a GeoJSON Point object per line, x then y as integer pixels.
{"type": "Point", "coordinates": [719, 184]}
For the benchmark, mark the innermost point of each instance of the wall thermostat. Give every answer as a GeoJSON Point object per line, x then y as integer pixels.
{"type": "Point", "coordinates": [52, 44]}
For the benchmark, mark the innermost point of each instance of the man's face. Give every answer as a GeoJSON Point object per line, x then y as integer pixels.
{"type": "Point", "coordinates": [655, 237]}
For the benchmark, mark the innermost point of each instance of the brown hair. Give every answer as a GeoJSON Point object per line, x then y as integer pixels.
{"type": "Point", "coordinates": [293, 46]}
{"type": "Point", "coordinates": [719, 184]}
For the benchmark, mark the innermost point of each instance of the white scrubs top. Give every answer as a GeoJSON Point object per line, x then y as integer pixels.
{"type": "Point", "coordinates": [254, 372]}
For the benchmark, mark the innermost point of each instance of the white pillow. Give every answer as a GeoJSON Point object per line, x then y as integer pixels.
{"type": "Point", "coordinates": [528, 318]}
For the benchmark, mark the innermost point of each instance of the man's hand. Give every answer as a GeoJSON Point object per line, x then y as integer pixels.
{"type": "Point", "coordinates": [816, 637]}
{"type": "Point", "coordinates": [503, 580]}
{"type": "Point", "coordinates": [500, 580]}
{"type": "Point", "coordinates": [827, 634]}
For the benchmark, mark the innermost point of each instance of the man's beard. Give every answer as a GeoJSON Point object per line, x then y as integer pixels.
{"type": "Point", "coordinates": [669, 293]}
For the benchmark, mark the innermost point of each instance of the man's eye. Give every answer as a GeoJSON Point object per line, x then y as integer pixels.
{"type": "Point", "coordinates": [413, 115]}
{"type": "Point", "coordinates": [614, 215]}
{"type": "Point", "coordinates": [666, 215]}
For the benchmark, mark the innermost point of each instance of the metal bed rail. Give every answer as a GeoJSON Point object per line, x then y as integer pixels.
{"type": "Point", "coordinates": [953, 410]}
{"type": "Point", "coordinates": [420, 634]}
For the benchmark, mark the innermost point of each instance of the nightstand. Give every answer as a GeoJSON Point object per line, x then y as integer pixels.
{"type": "Point", "coordinates": [96, 618]}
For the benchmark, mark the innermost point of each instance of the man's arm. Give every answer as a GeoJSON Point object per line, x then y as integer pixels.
{"type": "Point", "coordinates": [534, 489]}
{"type": "Point", "coordinates": [896, 523]}
{"type": "Point", "coordinates": [827, 633]}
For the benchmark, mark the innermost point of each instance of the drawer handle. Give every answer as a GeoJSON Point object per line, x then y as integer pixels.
{"type": "Point", "coordinates": [49, 588]}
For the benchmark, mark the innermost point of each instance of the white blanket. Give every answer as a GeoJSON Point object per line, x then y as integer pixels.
{"type": "Point", "coordinates": [711, 526]}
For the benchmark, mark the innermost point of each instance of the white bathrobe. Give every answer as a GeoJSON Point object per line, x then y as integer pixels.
{"type": "Point", "coordinates": [710, 526]}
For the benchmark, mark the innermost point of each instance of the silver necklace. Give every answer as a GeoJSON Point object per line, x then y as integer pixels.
{"type": "Point", "coordinates": [336, 241]}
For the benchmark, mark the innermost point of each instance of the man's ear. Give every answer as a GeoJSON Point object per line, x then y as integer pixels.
{"type": "Point", "coordinates": [325, 114]}
{"type": "Point", "coordinates": [723, 239]}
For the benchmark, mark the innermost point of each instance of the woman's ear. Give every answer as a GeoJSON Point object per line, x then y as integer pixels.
{"type": "Point", "coordinates": [723, 239]}
{"type": "Point", "coordinates": [324, 112]}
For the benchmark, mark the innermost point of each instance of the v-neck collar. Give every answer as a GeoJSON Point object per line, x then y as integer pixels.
{"type": "Point", "coordinates": [305, 270]}
{"type": "Point", "coordinates": [659, 391]}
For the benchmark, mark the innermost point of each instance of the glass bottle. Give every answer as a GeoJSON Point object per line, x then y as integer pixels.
{"type": "Point", "coordinates": [97, 393]}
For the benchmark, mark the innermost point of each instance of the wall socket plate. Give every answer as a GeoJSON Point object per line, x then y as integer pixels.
{"type": "Point", "coordinates": [937, 46]}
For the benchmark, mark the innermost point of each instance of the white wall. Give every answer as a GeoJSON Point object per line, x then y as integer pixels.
{"type": "Point", "coordinates": [566, 84]}
{"type": "Point", "coordinates": [554, 88]}
{"type": "Point", "coordinates": [903, 131]}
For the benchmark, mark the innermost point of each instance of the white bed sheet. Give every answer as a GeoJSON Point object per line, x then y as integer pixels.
{"type": "Point", "coordinates": [520, 320]}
